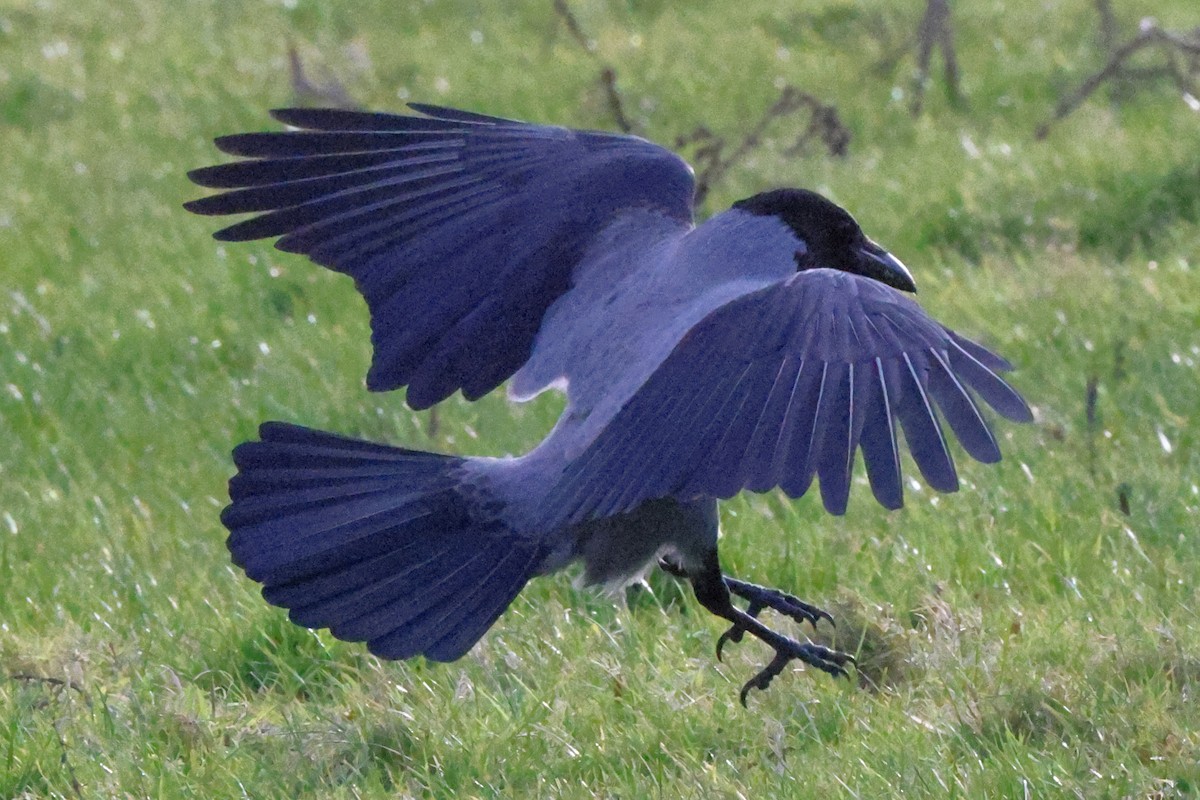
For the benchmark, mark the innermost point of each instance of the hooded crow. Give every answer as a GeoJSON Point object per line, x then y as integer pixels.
{"type": "Point", "coordinates": [762, 348]}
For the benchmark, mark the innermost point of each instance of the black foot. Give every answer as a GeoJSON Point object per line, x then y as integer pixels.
{"type": "Point", "coordinates": [760, 597]}
{"type": "Point", "coordinates": [832, 661]}
{"type": "Point", "coordinates": [715, 592]}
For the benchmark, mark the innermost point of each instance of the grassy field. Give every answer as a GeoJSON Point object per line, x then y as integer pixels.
{"type": "Point", "coordinates": [1034, 635]}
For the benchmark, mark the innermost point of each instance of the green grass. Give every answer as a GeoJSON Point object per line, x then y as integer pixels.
{"type": "Point", "coordinates": [1026, 637]}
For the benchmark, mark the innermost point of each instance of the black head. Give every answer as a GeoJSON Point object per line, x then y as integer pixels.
{"type": "Point", "coordinates": [831, 237]}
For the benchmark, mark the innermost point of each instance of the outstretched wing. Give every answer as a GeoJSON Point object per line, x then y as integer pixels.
{"type": "Point", "coordinates": [785, 383]}
{"type": "Point", "coordinates": [459, 229]}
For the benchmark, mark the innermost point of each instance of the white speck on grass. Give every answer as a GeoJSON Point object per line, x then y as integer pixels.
{"type": "Point", "coordinates": [215, 344]}
{"type": "Point", "coordinates": [477, 38]}
{"type": "Point", "coordinates": [1167, 447]}
{"type": "Point", "coordinates": [914, 484]}
{"type": "Point", "coordinates": [55, 50]}
{"type": "Point", "coordinates": [441, 85]}
{"type": "Point", "coordinates": [15, 391]}
{"type": "Point", "coordinates": [1137, 545]}
{"type": "Point", "coordinates": [11, 523]}
{"type": "Point", "coordinates": [969, 147]}
{"type": "Point", "coordinates": [1028, 472]}
{"type": "Point", "coordinates": [22, 303]}
{"type": "Point", "coordinates": [264, 348]}
{"type": "Point", "coordinates": [1192, 102]}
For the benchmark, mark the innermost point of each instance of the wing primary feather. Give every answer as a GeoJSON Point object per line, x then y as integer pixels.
{"type": "Point", "coordinates": [922, 431]}
{"type": "Point", "coordinates": [686, 467]}
{"type": "Point", "coordinates": [668, 456]}
{"type": "Point", "coordinates": [387, 227]}
{"type": "Point", "coordinates": [980, 353]}
{"type": "Point", "coordinates": [760, 452]}
{"type": "Point", "coordinates": [833, 437]}
{"type": "Point", "coordinates": [261, 171]}
{"type": "Point", "coordinates": [798, 473]}
{"type": "Point", "coordinates": [794, 412]}
{"type": "Point", "coordinates": [960, 411]}
{"type": "Point", "coordinates": [990, 386]}
{"type": "Point", "coordinates": [725, 476]}
{"type": "Point", "coordinates": [880, 451]}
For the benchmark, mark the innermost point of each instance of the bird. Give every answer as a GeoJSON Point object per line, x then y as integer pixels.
{"type": "Point", "coordinates": [760, 348]}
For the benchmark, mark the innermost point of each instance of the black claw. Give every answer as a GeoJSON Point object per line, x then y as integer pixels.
{"type": "Point", "coordinates": [734, 634]}
{"type": "Point", "coordinates": [763, 679]}
{"type": "Point", "coordinates": [831, 661]}
{"type": "Point", "coordinates": [715, 590]}
{"type": "Point", "coordinates": [786, 604]}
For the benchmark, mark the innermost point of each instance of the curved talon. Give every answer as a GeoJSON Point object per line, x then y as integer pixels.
{"type": "Point", "coordinates": [831, 661]}
{"type": "Point", "coordinates": [763, 679]}
{"type": "Point", "coordinates": [734, 634]}
{"type": "Point", "coordinates": [786, 604]}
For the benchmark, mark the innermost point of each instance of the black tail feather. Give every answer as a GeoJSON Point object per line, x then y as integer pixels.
{"type": "Point", "coordinates": [376, 543]}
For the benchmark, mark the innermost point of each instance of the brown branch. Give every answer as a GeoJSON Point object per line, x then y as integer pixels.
{"type": "Point", "coordinates": [57, 683]}
{"type": "Point", "coordinates": [573, 27]}
{"type": "Point", "coordinates": [1108, 25]}
{"type": "Point", "coordinates": [935, 30]}
{"type": "Point", "coordinates": [712, 164]}
{"type": "Point", "coordinates": [608, 79]}
{"type": "Point", "coordinates": [329, 93]}
{"type": "Point", "coordinates": [608, 73]}
{"type": "Point", "coordinates": [1150, 35]}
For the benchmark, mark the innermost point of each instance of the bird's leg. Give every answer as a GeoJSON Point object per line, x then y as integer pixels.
{"type": "Point", "coordinates": [758, 598]}
{"type": "Point", "coordinates": [713, 589]}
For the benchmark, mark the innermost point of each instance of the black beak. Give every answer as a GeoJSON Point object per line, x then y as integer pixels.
{"type": "Point", "coordinates": [877, 263]}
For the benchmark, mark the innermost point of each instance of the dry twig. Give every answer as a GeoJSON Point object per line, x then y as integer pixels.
{"type": "Point", "coordinates": [935, 30]}
{"type": "Point", "coordinates": [608, 74]}
{"type": "Point", "coordinates": [1182, 54]}
{"type": "Point", "coordinates": [330, 92]}
{"type": "Point", "coordinates": [712, 162]}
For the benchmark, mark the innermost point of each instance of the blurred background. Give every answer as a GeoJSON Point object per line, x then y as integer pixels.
{"type": "Point", "coordinates": [1036, 165]}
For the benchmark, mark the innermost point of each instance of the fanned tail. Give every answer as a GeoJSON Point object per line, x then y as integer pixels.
{"type": "Point", "coordinates": [379, 544]}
